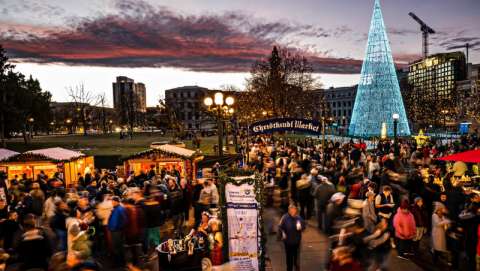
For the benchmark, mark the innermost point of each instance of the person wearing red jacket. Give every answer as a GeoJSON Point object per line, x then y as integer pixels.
{"type": "Point", "coordinates": [405, 228]}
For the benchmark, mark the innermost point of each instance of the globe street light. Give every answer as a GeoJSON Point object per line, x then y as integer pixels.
{"type": "Point", "coordinates": [208, 101]}
{"type": "Point", "coordinates": [229, 101]}
{"type": "Point", "coordinates": [218, 98]}
{"type": "Point", "coordinates": [222, 107]}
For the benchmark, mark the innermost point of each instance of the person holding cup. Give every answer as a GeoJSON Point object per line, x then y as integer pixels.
{"type": "Point", "coordinates": [291, 227]}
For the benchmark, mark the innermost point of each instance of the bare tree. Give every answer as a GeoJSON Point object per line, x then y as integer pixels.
{"type": "Point", "coordinates": [82, 100]}
{"type": "Point", "coordinates": [172, 122]}
{"type": "Point", "coordinates": [281, 85]}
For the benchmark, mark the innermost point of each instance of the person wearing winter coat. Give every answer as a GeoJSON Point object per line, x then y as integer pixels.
{"type": "Point", "coordinates": [291, 227]}
{"type": "Point", "coordinates": [378, 245]}
{"type": "Point", "coordinates": [368, 212]}
{"type": "Point", "coordinates": [34, 248]}
{"type": "Point", "coordinates": [440, 224]}
{"type": "Point", "coordinates": [421, 221]}
{"type": "Point", "coordinates": [116, 225]}
{"type": "Point", "coordinates": [405, 229]}
{"type": "Point", "coordinates": [334, 210]}
{"type": "Point", "coordinates": [304, 196]}
{"type": "Point", "coordinates": [322, 194]}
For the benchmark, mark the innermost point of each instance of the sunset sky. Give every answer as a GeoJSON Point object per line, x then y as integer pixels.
{"type": "Point", "coordinates": [210, 43]}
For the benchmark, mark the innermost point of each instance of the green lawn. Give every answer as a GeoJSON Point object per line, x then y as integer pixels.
{"type": "Point", "coordinates": [109, 144]}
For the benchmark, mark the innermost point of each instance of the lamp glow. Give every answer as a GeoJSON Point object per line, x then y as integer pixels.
{"type": "Point", "coordinates": [208, 101]}
{"type": "Point", "coordinates": [395, 116]}
{"type": "Point", "coordinates": [229, 100]}
{"type": "Point", "coordinates": [218, 98]}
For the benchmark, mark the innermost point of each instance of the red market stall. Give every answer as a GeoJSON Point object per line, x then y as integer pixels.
{"type": "Point", "coordinates": [166, 157]}
{"type": "Point", "coordinates": [472, 156]}
{"type": "Point", "coordinates": [50, 161]}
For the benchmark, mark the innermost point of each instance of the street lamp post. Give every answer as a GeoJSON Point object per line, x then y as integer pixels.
{"type": "Point", "coordinates": [222, 107]}
{"type": "Point", "coordinates": [69, 126]}
{"type": "Point", "coordinates": [395, 117]}
{"type": "Point", "coordinates": [31, 120]}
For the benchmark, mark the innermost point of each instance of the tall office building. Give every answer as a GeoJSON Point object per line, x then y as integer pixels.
{"type": "Point", "coordinates": [434, 99]}
{"type": "Point", "coordinates": [129, 101]}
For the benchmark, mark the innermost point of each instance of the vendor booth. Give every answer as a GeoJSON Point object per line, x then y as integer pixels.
{"type": "Point", "coordinates": [50, 161]}
{"type": "Point", "coordinates": [167, 157]}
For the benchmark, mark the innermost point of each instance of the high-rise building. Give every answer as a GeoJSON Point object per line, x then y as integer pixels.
{"type": "Point", "coordinates": [378, 96]}
{"type": "Point", "coordinates": [129, 101]}
{"type": "Point", "coordinates": [434, 99]}
{"type": "Point", "coordinates": [469, 96]}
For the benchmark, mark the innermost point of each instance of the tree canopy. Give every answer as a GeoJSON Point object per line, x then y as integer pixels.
{"type": "Point", "coordinates": [23, 103]}
{"type": "Point", "coordinates": [281, 85]}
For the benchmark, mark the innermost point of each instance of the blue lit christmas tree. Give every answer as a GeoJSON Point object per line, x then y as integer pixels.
{"type": "Point", "coordinates": [378, 94]}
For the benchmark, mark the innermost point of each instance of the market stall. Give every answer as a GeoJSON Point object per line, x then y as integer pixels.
{"type": "Point", "coordinates": [4, 155]}
{"type": "Point", "coordinates": [167, 157]}
{"type": "Point", "coordinates": [50, 161]}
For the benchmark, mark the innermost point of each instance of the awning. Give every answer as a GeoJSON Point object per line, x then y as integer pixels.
{"type": "Point", "coordinates": [50, 154]}
{"type": "Point", "coordinates": [472, 156]}
{"type": "Point", "coordinates": [166, 149]}
{"type": "Point", "coordinates": [5, 154]}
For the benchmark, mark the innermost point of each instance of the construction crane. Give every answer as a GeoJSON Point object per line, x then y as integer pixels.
{"type": "Point", "coordinates": [426, 30]}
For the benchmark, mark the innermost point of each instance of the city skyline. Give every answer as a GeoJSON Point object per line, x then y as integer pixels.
{"type": "Point", "coordinates": [167, 44]}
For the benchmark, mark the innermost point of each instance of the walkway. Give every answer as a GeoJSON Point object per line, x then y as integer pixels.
{"type": "Point", "coordinates": [315, 248]}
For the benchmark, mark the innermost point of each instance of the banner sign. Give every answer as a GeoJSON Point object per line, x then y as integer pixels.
{"type": "Point", "coordinates": [285, 124]}
{"type": "Point", "coordinates": [243, 231]}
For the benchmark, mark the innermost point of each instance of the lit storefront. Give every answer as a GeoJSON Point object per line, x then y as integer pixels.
{"type": "Point", "coordinates": [67, 162]}
{"type": "Point", "coordinates": [167, 157]}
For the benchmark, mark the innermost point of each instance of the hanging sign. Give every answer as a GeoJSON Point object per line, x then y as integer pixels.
{"type": "Point", "coordinates": [243, 231]}
{"type": "Point", "coordinates": [285, 124]}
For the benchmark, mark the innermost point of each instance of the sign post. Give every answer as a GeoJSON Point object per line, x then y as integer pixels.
{"type": "Point", "coordinates": [242, 201]}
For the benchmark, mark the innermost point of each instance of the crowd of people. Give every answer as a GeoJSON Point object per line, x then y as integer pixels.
{"type": "Point", "coordinates": [100, 223]}
{"type": "Point", "coordinates": [371, 202]}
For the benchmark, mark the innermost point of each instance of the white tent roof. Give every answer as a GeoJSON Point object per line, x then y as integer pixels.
{"type": "Point", "coordinates": [5, 154]}
{"type": "Point", "coordinates": [176, 150]}
{"type": "Point", "coordinates": [58, 153]}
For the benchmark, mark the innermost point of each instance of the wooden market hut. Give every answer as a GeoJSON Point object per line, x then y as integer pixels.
{"type": "Point", "coordinates": [164, 157]}
{"type": "Point", "coordinates": [50, 161]}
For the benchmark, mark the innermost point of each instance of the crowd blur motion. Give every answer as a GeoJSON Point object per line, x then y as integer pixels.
{"type": "Point", "coordinates": [369, 202]}
{"type": "Point", "coordinates": [372, 202]}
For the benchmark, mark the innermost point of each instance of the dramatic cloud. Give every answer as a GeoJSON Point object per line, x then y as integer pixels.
{"type": "Point", "coordinates": [402, 31]}
{"type": "Point", "coordinates": [457, 40]}
{"type": "Point", "coordinates": [140, 35]}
